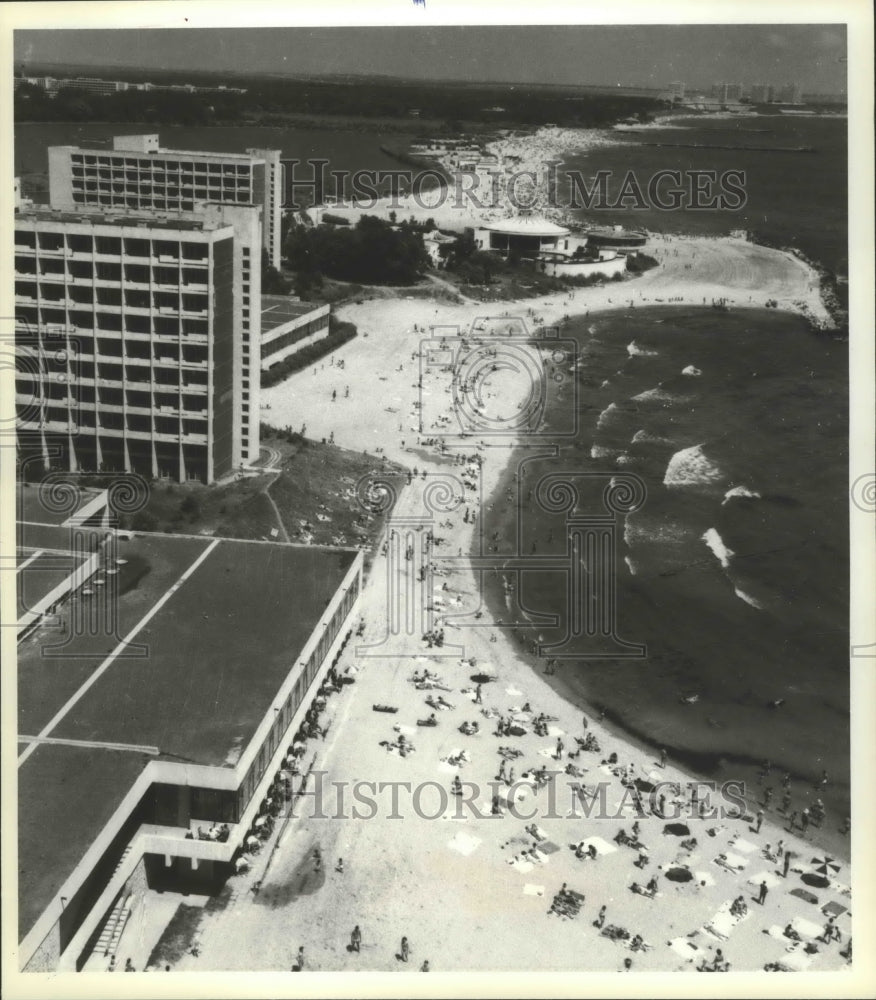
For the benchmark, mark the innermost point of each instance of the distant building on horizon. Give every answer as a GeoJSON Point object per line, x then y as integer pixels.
{"type": "Point", "coordinates": [760, 93]}
{"type": "Point", "coordinates": [726, 93]}
{"type": "Point", "coordinates": [97, 85]}
{"type": "Point", "coordinates": [790, 93]}
{"type": "Point", "coordinates": [677, 90]}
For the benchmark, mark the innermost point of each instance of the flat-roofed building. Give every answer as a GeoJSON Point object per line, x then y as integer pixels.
{"type": "Point", "coordinates": [288, 326]}
{"type": "Point", "coordinates": [131, 348]}
{"type": "Point", "coordinates": [138, 173]}
{"type": "Point", "coordinates": [184, 730]}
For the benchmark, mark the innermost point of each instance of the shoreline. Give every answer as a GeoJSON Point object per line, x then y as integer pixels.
{"type": "Point", "coordinates": [408, 878]}
{"type": "Point", "coordinates": [552, 309]}
{"type": "Point", "coordinates": [699, 763]}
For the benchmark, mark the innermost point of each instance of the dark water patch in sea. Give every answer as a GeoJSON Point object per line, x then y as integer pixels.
{"type": "Point", "coordinates": [796, 199]}
{"type": "Point", "coordinates": [733, 573]}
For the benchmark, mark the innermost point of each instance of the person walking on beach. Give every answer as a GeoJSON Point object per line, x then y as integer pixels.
{"type": "Point", "coordinates": [559, 752]}
{"type": "Point", "coordinates": [477, 698]}
{"type": "Point", "coordinates": [299, 967]}
{"type": "Point", "coordinates": [804, 819]}
{"type": "Point", "coordinates": [600, 919]}
{"type": "Point", "coordinates": [762, 895]}
{"type": "Point", "coordinates": [759, 822]}
{"type": "Point", "coordinates": [356, 939]}
{"type": "Point", "coordinates": [405, 949]}
{"type": "Point", "coordinates": [792, 821]}
{"type": "Point", "coordinates": [767, 798]}
{"type": "Point", "coordinates": [663, 758]}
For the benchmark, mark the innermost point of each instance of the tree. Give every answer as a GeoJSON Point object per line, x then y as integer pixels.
{"type": "Point", "coordinates": [273, 283]}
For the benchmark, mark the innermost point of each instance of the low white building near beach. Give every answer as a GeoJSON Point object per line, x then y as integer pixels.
{"type": "Point", "coordinates": [556, 250]}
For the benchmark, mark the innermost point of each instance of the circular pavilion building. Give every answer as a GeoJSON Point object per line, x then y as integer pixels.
{"type": "Point", "coordinates": [525, 235]}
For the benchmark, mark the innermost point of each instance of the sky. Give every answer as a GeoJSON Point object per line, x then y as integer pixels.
{"type": "Point", "coordinates": [625, 55]}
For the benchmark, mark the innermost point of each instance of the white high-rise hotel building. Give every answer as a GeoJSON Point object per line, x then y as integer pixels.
{"type": "Point", "coordinates": [144, 276]}
{"type": "Point", "coordinates": [137, 173]}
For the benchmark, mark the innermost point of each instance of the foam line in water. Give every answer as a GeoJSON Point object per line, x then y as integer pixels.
{"type": "Point", "coordinates": [716, 544]}
{"type": "Point", "coordinates": [753, 601]}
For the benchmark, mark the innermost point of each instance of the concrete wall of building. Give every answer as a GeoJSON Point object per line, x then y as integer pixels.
{"type": "Point", "coordinates": [47, 955]}
{"type": "Point", "coordinates": [272, 194]}
{"type": "Point", "coordinates": [60, 177]}
{"type": "Point", "coordinates": [226, 449]}
{"type": "Point", "coordinates": [271, 354]}
{"type": "Point", "coordinates": [583, 269]}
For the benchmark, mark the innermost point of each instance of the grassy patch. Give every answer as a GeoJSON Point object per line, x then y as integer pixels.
{"type": "Point", "coordinates": [313, 488]}
{"type": "Point", "coordinates": [315, 493]}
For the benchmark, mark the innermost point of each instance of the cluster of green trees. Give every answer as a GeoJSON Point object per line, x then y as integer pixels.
{"type": "Point", "coordinates": [373, 252]}
{"type": "Point", "coordinates": [477, 267]}
{"type": "Point", "coordinates": [265, 98]}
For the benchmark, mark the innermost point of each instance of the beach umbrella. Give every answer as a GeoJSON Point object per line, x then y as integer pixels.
{"type": "Point", "coordinates": [825, 866]}
{"type": "Point", "coordinates": [679, 875]}
{"type": "Point", "coordinates": [677, 829]}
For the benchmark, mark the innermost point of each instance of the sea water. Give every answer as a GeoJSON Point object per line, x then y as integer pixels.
{"type": "Point", "coordinates": [733, 574]}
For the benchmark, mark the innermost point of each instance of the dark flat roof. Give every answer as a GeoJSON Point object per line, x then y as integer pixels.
{"type": "Point", "coordinates": [216, 653]}
{"type": "Point", "coordinates": [66, 797]}
{"type": "Point", "coordinates": [277, 310]}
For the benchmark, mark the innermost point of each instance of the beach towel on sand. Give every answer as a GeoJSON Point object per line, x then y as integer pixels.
{"type": "Point", "coordinates": [745, 846]}
{"type": "Point", "coordinates": [724, 922]}
{"type": "Point", "coordinates": [601, 846]}
{"type": "Point", "coordinates": [805, 928]}
{"type": "Point", "coordinates": [771, 880]}
{"type": "Point", "coordinates": [797, 961]}
{"type": "Point", "coordinates": [686, 948]}
{"type": "Point", "coordinates": [731, 862]}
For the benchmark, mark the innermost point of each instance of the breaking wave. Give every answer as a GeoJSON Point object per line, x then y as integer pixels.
{"type": "Point", "coordinates": [740, 491]}
{"type": "Point", "coordinates": [605, 416]}
{"type": "Point", "coordinates": [635, 351]}
{"type": "Point", "coordinates": [753, 601]}
{"type": "Point", "coordinates": [690, 370]}
{"type": "Point", "coordinates": [654, 396]}
{"type": "Point", "coordinates": [643, 437]}
{"type": "Point", "coordinates": [716, 544]}
{"type": "Point", "coordinates": [690, 467]}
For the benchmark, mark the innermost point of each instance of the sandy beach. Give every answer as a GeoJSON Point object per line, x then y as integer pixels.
{"type": "Point", "coordinates": [468, 889]}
